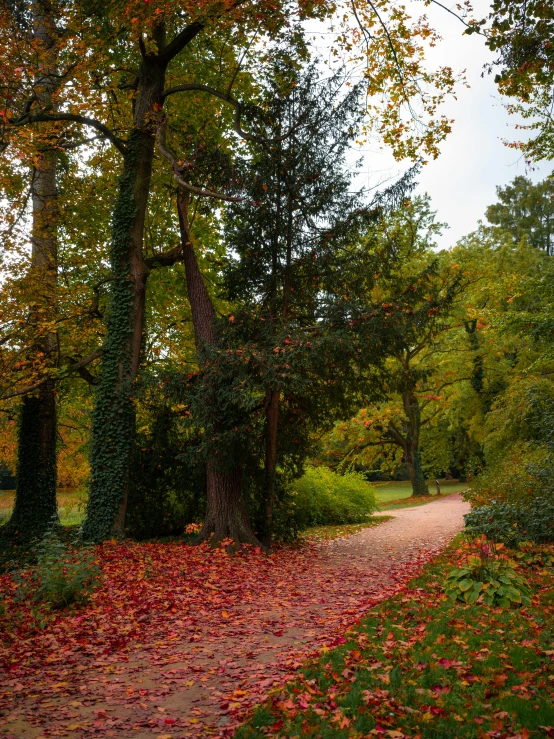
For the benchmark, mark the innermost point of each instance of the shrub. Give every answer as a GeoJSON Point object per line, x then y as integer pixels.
{"type": "Point", "coordinates": [321, 498]}
{"type": "Point", "coordinates": [519, 476]}
{"type": "Point", "coordinates": [166, 491]}
{"type": "Point", "coordinates": [489, 579]}
{"type": "Point", "coordinates": [511, 523]}
{"type": "Point", "coordinates": [61, 577]}
{"type": "Point", "coordinates": [529, 555]}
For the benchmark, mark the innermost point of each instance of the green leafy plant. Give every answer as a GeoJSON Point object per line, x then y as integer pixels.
{"type": "Point", "coordinates": [528, 555]}
{"type": "Point", "coordinates": [512, 523]}
{"type": "Point", "coordinates": [488, 578]}
{"type": "Point", "coordinates": [61, 576]}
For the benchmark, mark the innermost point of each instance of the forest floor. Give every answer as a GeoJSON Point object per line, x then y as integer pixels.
{"type": "Point", "coordinates": [181, 641]}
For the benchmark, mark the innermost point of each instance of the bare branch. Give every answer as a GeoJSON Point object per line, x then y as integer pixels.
{"type": "Point", "coordinates": [44, 117]}
{"type": "Point", "coordinates": [177, 172]}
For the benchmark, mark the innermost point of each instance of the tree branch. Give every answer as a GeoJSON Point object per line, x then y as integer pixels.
{"type": "Point", "coordinates": [66, 370]}
{"type": "Point", "coordinates": [165, 259]}
{"type": "Point", "coordinates": [73, 117]}
{"type": "Point", "coordinates": [171, 158]}
{"type": "Point", "coordinates": [179, 41]}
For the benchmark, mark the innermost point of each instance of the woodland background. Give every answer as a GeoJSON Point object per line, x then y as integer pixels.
{"type": "Point", "coordinates": [205, 321]}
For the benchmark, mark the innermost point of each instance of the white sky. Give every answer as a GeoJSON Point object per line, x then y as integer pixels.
{"type": "Point", "coordinates": [473, 159]}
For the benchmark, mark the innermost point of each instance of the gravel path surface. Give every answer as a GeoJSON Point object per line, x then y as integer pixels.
{"type": "Point", "coordinates": [427, 527]}
{"type": "Point", "coordinates": [205, 679]}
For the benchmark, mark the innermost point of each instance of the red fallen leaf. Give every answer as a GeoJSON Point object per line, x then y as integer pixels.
{"type": "Point", "coordinates": [448, 663]}
{"type": "Point", "coordinates": [277, 725]}
{"type": "Point", "coordinates": [169, 721]}
{"type": "Point", "coordinates": [478, 720]}
{"type": "Point", "coordinates": [438, 711]}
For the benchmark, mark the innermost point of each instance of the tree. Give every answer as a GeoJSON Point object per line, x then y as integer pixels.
{"type": "Point", "coordinates": [520, 32]}
{"type": "Point", "coordinates": [415, 302]}
{"type": "Point", "coordinates": [525, 210]}
{"type": "Point", "coordinates": [289, 238]}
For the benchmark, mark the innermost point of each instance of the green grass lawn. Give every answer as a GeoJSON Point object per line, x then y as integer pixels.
{"type": "Point", "coordinates": [425, 667]}
{"type": "Point", "coordinates": [391, 495]}
{"type": "Point", "coordinates": [71, 506]}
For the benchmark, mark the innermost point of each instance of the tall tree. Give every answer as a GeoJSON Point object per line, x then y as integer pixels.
{"type": "Point", "coordinates": [520, 33]}
{"type": "Point", "coordinates": [414, 301]}
{"type": "Point", "coordinates": [293, 240]}
{"type": "Point", "coordinates": [35, 502]}
{"type": "Point", "coordinates": [525, 210]}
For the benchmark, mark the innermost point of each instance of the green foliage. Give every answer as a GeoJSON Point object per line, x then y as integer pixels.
{"type": "Point", "coordinates": [489, 579]}
{"type": "Point", "coordinates": [61, 577]}
{"type": "Point", "coordinates": [525, 211]}
{"type": "Point", "coordinates": [166, 491]}
{"type": "Point", "coordinates": [520, 34]}
{"type": "Point", "coordinates": [35, 501]}
{"type": "Point", "coordinates": [529, 555]}
{"type": "Point", "coordinates": [322, 497]}
{"type": "Point", "coordinates": [113, 425]}
{"type": "Point", "coordinates": [511, 523]}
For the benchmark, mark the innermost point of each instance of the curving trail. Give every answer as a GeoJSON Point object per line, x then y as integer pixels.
{"type": "Point", "coordinates": [219, 635]}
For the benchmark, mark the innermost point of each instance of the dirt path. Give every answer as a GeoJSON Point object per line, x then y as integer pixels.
{"type": "Point", "coordinates": [199, 675]}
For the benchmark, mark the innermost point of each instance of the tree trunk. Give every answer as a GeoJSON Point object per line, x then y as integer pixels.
{"type": "Point", "coordinates": [113, 429]}
{"type": "Point", "coordinates": [417, 478]}
{"type": "Point", "coordinates": [35, 507]}
{"type": "Point", "coordinates": [201, 306]}
{"type": "Point", "coordinates": [273, 398]}
{"type": "Point", "coordinates": [411, 449]}
{"type": "Point", "coordinates": [226, 514]}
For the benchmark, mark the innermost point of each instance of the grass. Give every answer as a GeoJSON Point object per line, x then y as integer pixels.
{"type": "Point", "coordinates": [327, 533]}
{"type": "Point", "coordinates": [424, 667]}
{"type": "Point", "coordinates": [391, 495]}
{"type": "Point", "coordinates": [71, 506]}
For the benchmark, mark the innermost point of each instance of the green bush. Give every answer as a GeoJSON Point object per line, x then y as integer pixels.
{"type": "Point", "coordinates": [512, 523]}
{"type": "Point", "coordinates": [323, 498]}
{"type": "Point", "coordinates": [61, 577]}
{"type": "Point", "coordinates": [523, 473]}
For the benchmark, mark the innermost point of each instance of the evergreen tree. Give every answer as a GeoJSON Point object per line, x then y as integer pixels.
{"type": "Point", "coordinates": [294, 241]}
{"type": "Point", "coordinates": [525, 210]}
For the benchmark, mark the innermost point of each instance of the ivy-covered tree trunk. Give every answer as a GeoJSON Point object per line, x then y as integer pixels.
{"type": "Point", "coordinates": [113, 428]}
{"type": "Point", "coordinates": [226, 514]}
{"type": "Point", "coordinates": [35, 506]}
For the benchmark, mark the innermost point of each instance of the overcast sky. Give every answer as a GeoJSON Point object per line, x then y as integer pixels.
{"type": "Point", "coordinates": [473, 159]}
